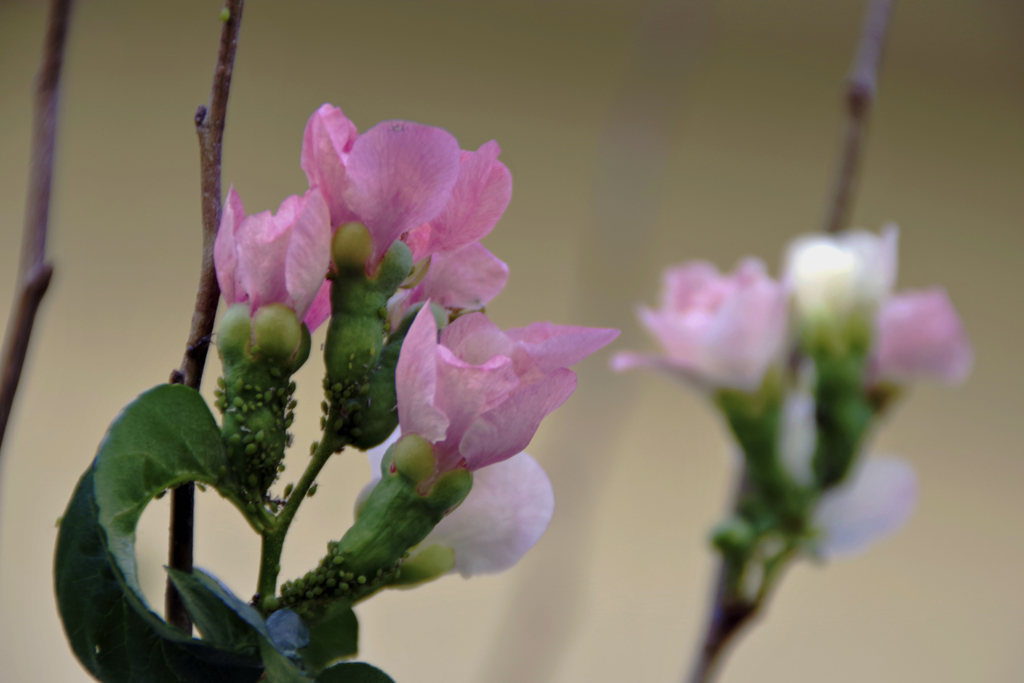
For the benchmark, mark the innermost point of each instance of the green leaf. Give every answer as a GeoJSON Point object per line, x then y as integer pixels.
{"type": "Point", "coordinates": [225, 607]}
{"type": "Point", "coordinates": [332, 636]}
{"type": "Point", "coordinates": [353, 672]}
{"type": "Point", "coordinates": [164, 438]}
{"type": "Point", "coordinates": [220, 625]}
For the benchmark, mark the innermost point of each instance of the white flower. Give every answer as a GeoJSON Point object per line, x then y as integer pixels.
{"type": "Point", "coordinates": [505, 514]}
{"type": "Point", "coordinates": [836, 276]}
{"type": "Point", "coordinates": [874, 503]}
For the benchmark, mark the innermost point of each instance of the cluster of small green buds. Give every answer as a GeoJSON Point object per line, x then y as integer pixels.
{"type": "Point", "coordinates": [255, 394]}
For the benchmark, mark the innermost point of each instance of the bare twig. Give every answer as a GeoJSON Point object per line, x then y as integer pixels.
{"type": "Point", "coordinates": [729, 613]}
{"type": "Point", "coordinates": [34, 271]}
{"type": "Point", "coordinates": [861, 86]}
{"type": "Point", "coordinates": [209, 121]}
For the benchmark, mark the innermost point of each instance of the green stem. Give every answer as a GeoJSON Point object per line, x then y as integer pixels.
{"type": "Point", "coordinates": [274, 534]}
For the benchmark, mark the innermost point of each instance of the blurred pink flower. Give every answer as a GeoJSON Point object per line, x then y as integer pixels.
{"type": "Point", "coordinates": [392, 178]}
{"type": "Point", "coordinates": [921, 335]}
{"type": "Point", "coordinates": [715, 330]}
{"type": "Point", "coordinates": [505, 514]}
{"type": "Point", "coordinates": [479, 394]}
{"type": "Point", "coordinates": [274, 258]}
{"type": "Point", "coordinates": [875, 502]}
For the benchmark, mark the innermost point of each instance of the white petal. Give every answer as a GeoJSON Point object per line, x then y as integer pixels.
{"type": "Point", "coordinates": [875, 503]}
{"type": "Point", "coordinates": [505, 514]}
{"type": "Point", "coordinates": [798, 437]}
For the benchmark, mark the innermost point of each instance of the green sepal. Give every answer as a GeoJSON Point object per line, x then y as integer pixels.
{"type": "Point", "coordinates": [360, 377]}
{"type": "Point", "coordinates": [431, 563]}
{"type": "Point", "coordinates": [379, 417]}
{"type": "Point", "coordinates": [843, 414]}
{"type": "Point", "coordinates": [397, 515]}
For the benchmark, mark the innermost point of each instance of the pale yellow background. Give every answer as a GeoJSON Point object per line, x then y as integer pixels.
{"type": "Point", "coordinates": [638, 135]}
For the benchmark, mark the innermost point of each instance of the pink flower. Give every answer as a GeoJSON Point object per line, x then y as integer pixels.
{"type": "Point", "coordinates": [715, 330]}
{"type": "Point", "coordinates": [479, 198]}
{"type": "Point", "coordinates": [392, 178]}
{"type": "Point", "coordinates": [920, 334]}
{"type": "Point", "coordinates": [479, 394]}
{"type": "Point", "coordinates": [505, 514]}
{"type": "Point", "coordinates": [274, 258]}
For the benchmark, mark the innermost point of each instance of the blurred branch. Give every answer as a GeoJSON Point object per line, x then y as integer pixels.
{"type": "Point", "coordinates": [730, 613]}
{"type": "Point", "coordinates": [861, 86]}
{"type": "Point", "coordinates": [209, 121]}
{"type": "Point", "coordinates": [34, 271]}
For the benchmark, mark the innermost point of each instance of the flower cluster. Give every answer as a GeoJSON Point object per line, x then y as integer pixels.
{"type": "Point", "coordinates": [386, 244]}
{"type": "Point", "coordinates": [809, 362]}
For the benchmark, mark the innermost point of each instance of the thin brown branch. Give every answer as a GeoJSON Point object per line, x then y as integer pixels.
{"type": "Point", "coordinates": [729, 614]}
{"type": "Point", "coordinates": [861, 86]}
{"type": "Point", "coordinates": [34, 272]}
{"type": "Point", "coordinates": [209, 122]}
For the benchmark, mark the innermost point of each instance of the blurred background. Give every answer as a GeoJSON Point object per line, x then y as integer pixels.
{"type": "Point", "coordinates": [639, 134]}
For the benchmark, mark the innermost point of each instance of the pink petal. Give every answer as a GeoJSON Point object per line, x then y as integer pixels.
{"type": "Point", "coordinates": [746, 336]}
{"type": "Point", "coordinates": [468, 278]}
{"type": "Point", "coordinates": [475, 339]}
{"type": "Point", "coordinates": [308, 255]}
{"type": "Point", "coordinates": [507, 429]}
{"type": "Point", "coordinates": [679, 284]}
{"type": "Point", "coordinates": [478, 200]}
{"type": "Point", "coordinates": [320, 309]}
{"type": "Point", "coordinates": [326, 143]}
{"type": "Point", "coordinates": [466, 390]}
{"type": "Point", "coordinates": [505, 514]}
{"type": "Point", "coordinates": [225, 259]}
{"type": "Point", "coordinates": [416, 380]}
{"type": "Point", "coordinates": [876, 503]}
{"type": "Point", "coordinates": [921, 335]}
{"type": "Point", "coordinates": [262, 245]}
{"type": "Point", "coordinates": [400, 175]}
{"type": "Point", "coordinates": [559, 346]}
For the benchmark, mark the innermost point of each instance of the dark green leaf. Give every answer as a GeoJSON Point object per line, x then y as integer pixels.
{"type": "Point", "coordinates": [165, 437]}
{"type": "Point", "coordinates": [353, 672]}
{"type": "Point", "coordinates": [220, 625]}
{"type": "Point", "coordinates": [331, 637]}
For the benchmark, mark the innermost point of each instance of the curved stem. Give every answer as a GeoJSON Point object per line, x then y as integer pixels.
{"type": "Point", "coordinates": [273, 537]}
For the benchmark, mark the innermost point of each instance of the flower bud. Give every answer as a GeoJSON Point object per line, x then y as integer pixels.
{"type": "Point", "coordinates": [277, 331]}
{"type": "Point", "coordinates": [838, 283]}
{"type": "Point", "coordinates": [414, 458]}
{"type": "Point", "coordinates": [233, 336]}
{"type": "Point", "coordinates": [351, 246]}
{"type": "Point", "coordinates": [431, 563]}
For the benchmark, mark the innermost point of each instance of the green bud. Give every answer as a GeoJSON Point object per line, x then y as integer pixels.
{"type": "Point", "coordinates": [414, 457]}
{"type": "Point", "coordinates": [733, 536]}
{"type": "Point", "coordinates": [452, 488]}
{"type": "Point", "coordinates": [351, 246]}
{"type": "Point", "coordinates": [430, 563]}
{"type": "Point", "coordinates": [235, 332]}
{"type": "Point", "coordinates": [278, 331]}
